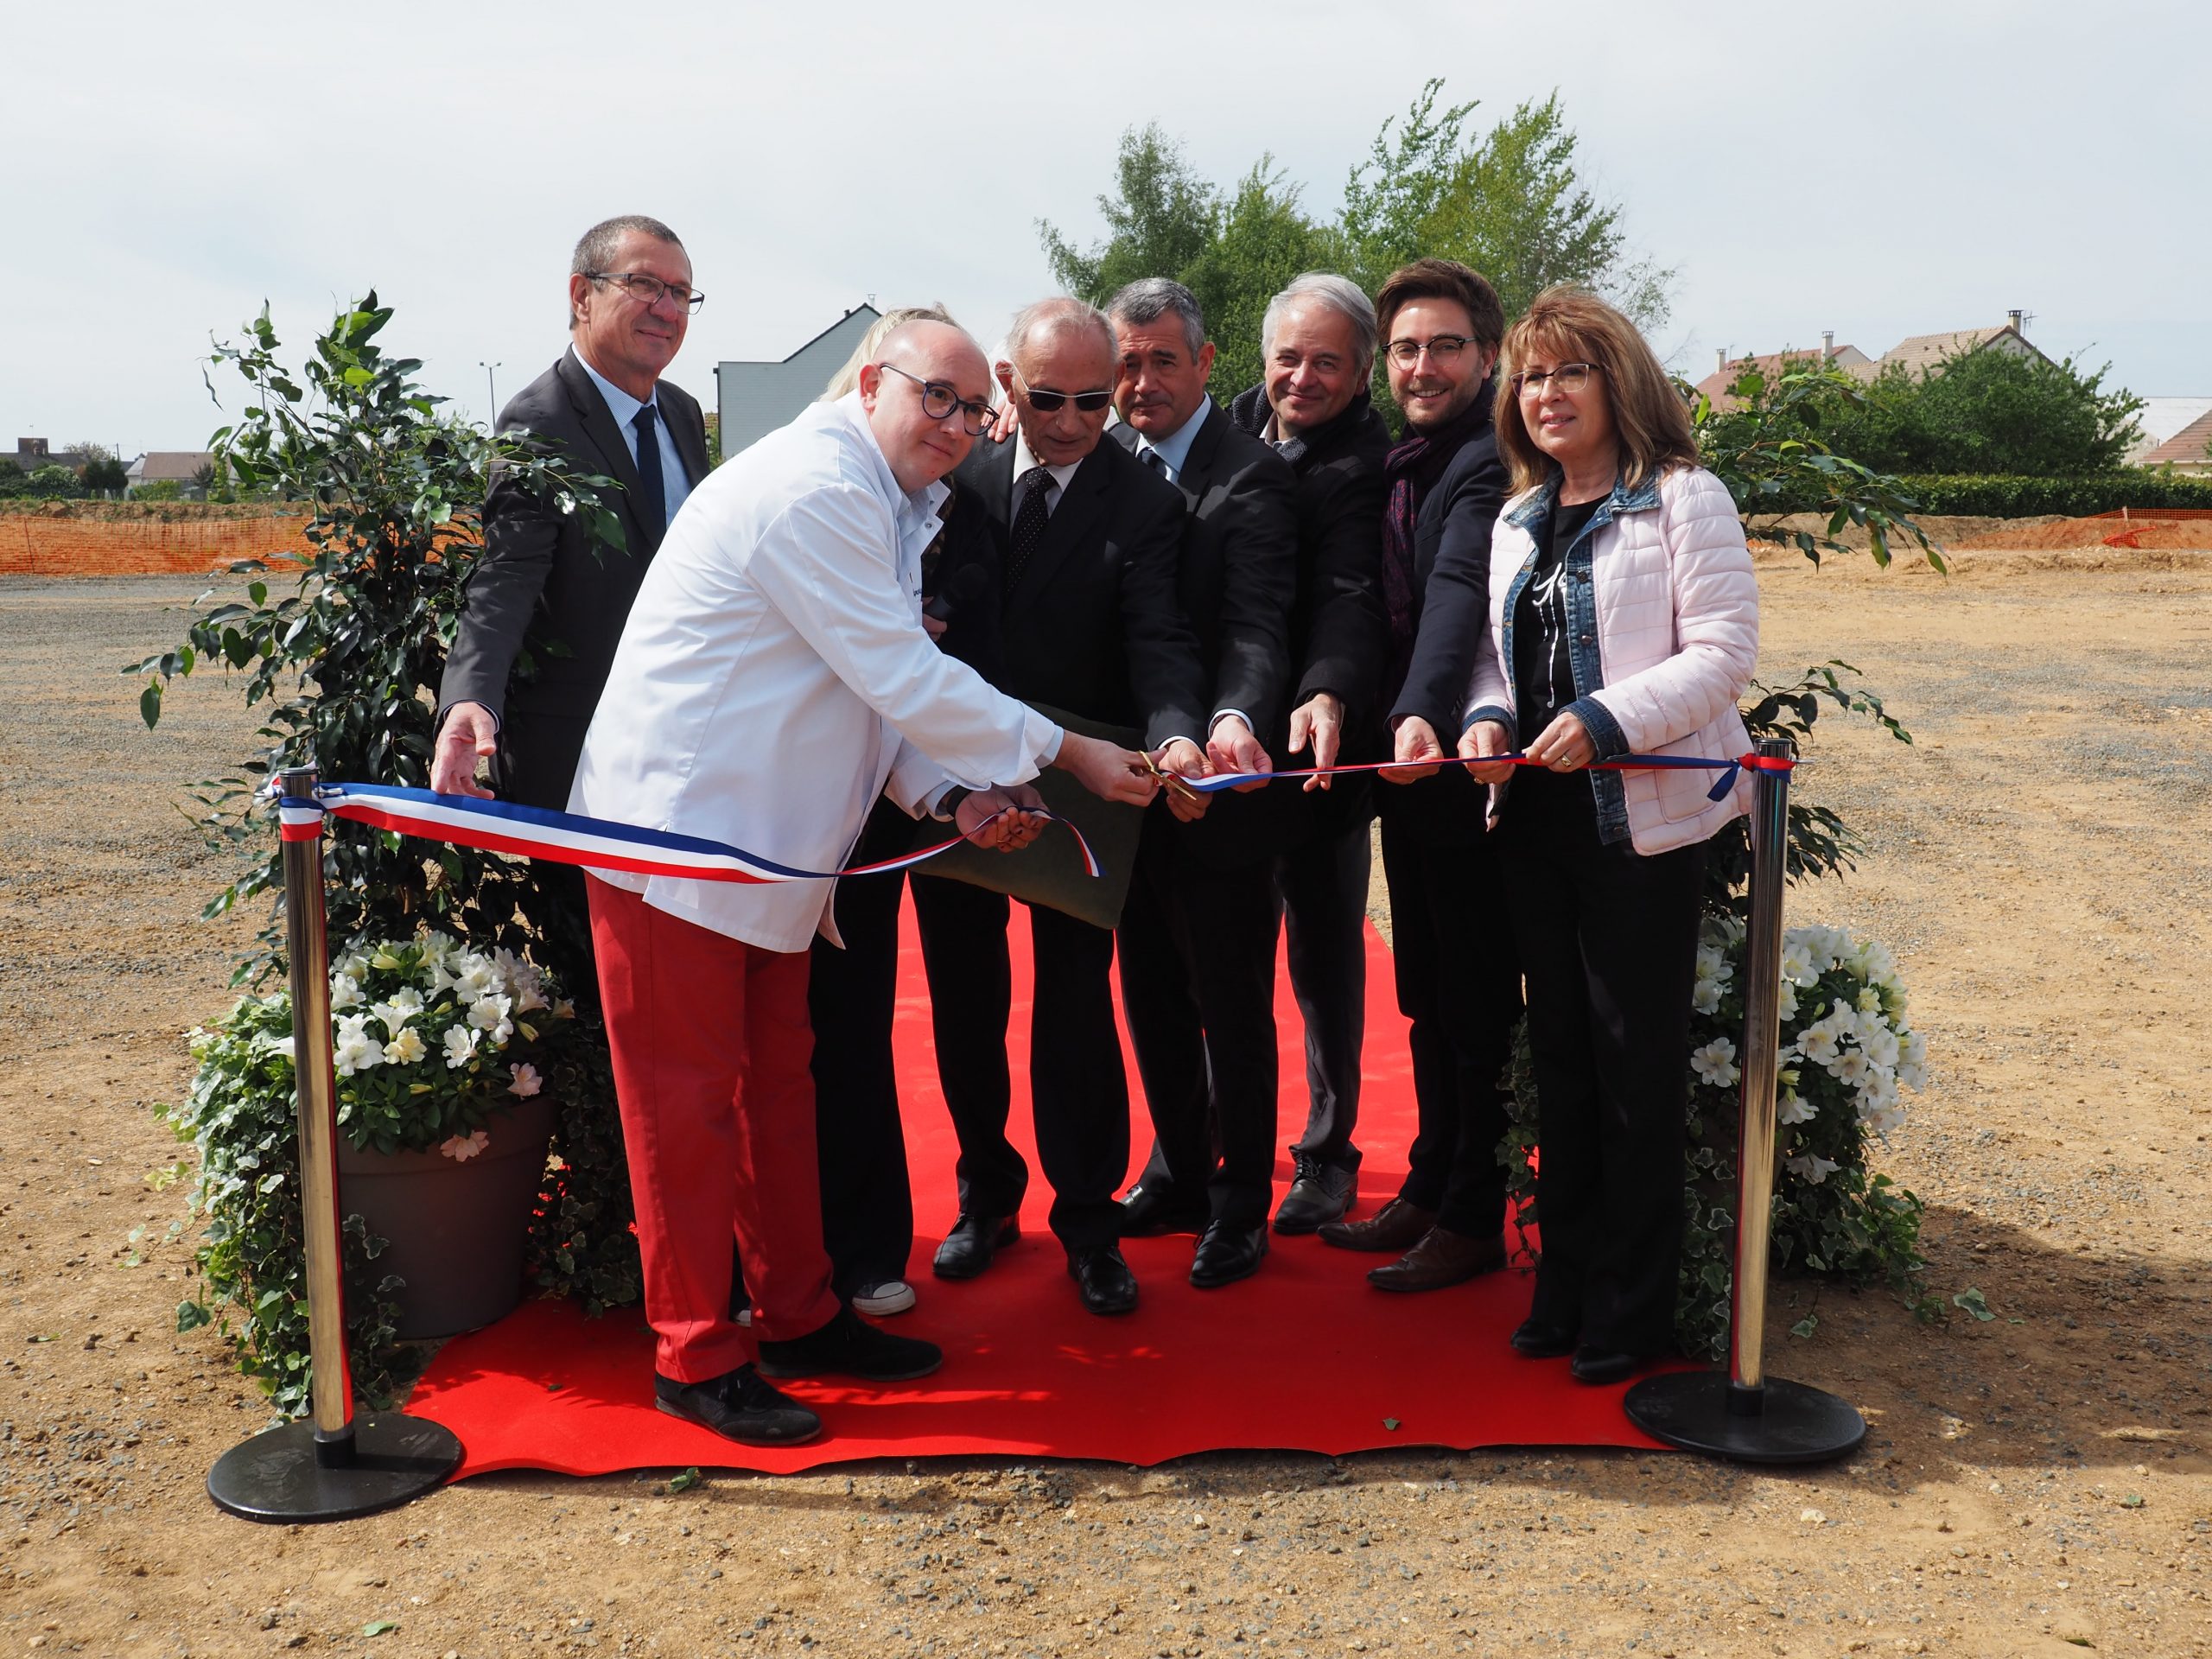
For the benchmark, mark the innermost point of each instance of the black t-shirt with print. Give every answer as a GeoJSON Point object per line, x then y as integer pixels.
{"type": "Point", "coordinates": [1543, 670]}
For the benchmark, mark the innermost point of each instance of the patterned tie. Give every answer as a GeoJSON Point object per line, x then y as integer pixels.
{"type": "Point", "coordinates": [652, 498]}
{"type": "Point", "coordinates": [1028, 523]}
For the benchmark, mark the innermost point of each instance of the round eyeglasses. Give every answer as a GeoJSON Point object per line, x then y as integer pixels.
{"type": "Point", "coordinates": [939, 400]}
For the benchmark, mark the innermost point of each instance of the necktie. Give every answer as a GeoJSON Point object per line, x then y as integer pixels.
{"type": "Point", "coordinates": [653, 497]}
{"type": "Point", "coordinates": [1154, 459]}
{"type": "Point", "coordinates": [1028, 523]}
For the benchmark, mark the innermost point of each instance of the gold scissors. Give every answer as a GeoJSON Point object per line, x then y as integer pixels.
{"type": "Point", "coordinates": [1173, 782]}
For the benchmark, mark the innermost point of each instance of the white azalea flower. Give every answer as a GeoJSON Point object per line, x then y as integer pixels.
{"type": "Point", "coordinates": [526, 1081]}
{"type": "Point", "coordinates": [403, 1005]}
{"type": "Point", "coordinates": [1705, 996]}
{"type": "Point", "coordinates": [276, 1045]}
{"type": "Point", "coordinates": [459, 1047]}
{"type": "Point", "coordinates": [1715, 1062]}
{"type": "Point", "coordinates": [344, 992]}
{"type": "Point", "coordinates": [461, 1147]}
{"type": "Point", "coordinates": [1851, 1066]}
{"type": "Point", "coordinates": [1817, 1043]}
{"type": "Point", "coordinates": [474, 977]}
{"type": "Point", "coordinates": [564, 1009]}
{"type": "Point", "coordinates": [405, 1047]}
{"type": "Point", "coordinates": [355, 1050]}
{"type": "Point", "coordinates": [1786, 1003]}
{"type": "Point", "coordinates": [1814, 1167]}
{"type": "Point", "coordinates": [1870, 1000]}
{"type": "Point", "coordinates": [530, 994]}
{"type": "Point", "coordinates": [354, 966]}
{"type": "Point", "coordinates": [1880, 1043]}
{"type": "Point", "coordinates": [437, 947]}
{"type": "Point", "coordinates": [1797, 965]}
{"type": "Point", "coordinates": [1793, 1108]}
{"type": "Point", "coordinates": [1884, 1122]}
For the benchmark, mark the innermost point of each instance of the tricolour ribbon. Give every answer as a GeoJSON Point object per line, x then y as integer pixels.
{"type": "Point", "coordinates": [570, 837]}
{"type": "Point", "coordinates": [1216, 782]}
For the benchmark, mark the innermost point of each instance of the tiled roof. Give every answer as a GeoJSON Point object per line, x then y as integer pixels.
{"type": "Point", "coordinates": [2189, 444]}
{"type": "Point", "coordinates": [158, 464]}
{"type": "Point", "coordinates": [1770, 364]}
{"type": "Point", "coordinates": [1924, 351]}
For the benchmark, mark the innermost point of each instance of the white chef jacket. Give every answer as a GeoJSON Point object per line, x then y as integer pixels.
{"type": "Point", "coordinates": [774, 679]}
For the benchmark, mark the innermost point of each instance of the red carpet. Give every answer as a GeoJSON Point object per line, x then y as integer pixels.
{"type": "Point", "coordinates": [1305, 1356]}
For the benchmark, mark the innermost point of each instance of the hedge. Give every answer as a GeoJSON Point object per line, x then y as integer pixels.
{"type": "Point", "coordinates": [2000, 495]}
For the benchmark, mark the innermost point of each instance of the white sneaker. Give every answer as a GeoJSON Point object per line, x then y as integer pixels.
{"type": "Point", "coordinates": [891, 1296]}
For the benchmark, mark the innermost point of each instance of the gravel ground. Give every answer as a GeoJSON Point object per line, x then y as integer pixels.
{"type": "Point", "coordinates": [2035, 1484]}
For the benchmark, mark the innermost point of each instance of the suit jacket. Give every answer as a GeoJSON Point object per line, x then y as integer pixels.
{"type": "Point", "coordinates": [1452, 616]}
{"type": "Point", "coordinates": [1091, 626]}
{"type": "Point", "coordinates": [542, 589]}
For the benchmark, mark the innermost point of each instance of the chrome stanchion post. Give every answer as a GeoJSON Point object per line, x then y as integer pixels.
{"type": "Point", "coordinates": [1745, 1415]}
{"type": "Point", "coordinates": [328, 1466]}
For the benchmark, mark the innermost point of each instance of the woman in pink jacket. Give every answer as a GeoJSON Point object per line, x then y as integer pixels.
{"type": "Point", "coordinates": [1623, 620]}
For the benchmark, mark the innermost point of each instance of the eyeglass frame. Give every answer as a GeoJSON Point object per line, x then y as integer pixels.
{"type": "Point", "coordinates": [692, 301]}
{"type": "Point", "coordinates": [1524, 382]}
{"type": "Point", "coordinates": [1060, 399]}
{"type": "Point", "coordinates": [1448, 353]}
{"type": "Point", "coordinates": [966, 405]}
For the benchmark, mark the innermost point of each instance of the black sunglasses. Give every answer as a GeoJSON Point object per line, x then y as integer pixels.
{"type": "Point", "coordinates": [1048, 403]}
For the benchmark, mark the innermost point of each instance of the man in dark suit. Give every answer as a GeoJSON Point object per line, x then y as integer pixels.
{"type": "Point", "coordinates": [542, 598]}
{"type": "Point", "coordinates": [1198, 936]}
{"type": "Point", "coordinates": [1317, 341]}
{"type": "Point", "coordinates": [1459, 982]}
{"type": "Point", "coordinates": [1086, 541]}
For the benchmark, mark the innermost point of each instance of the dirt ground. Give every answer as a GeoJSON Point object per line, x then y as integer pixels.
{"type": "Point", "coordinates": [2036, 1484]}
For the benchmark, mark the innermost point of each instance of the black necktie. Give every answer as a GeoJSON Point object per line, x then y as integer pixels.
{"type": "Point", "coordinates": [1028, 523]}
{"type": "Point", "coordinates": [653, 497]}
{"type": "Point", "coordinates": [1154, 459]}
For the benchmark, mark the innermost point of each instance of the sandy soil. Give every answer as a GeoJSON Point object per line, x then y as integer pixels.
{"type": "Point", "coordinates": [2037, 1484]}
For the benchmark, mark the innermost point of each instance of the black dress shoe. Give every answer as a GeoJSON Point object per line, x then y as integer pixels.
{"type": "Point", "coordinates": [1151, 1208]}
{"type": "Point", "coordinates": [1539, 1339]}
{"type": "Point", "coordinates": [738, 1406]}
{"type": "Point", "coordinates": [1598, 1366]}
{"type": "Point", "coordinates": [1104, 1278]}
{"type": "Point", "coordinates": [1318, 1192]}
{"type": "Point", "coordinates": [1443, 1257]}
{"type": "Point", "coordinates": [973, 1240]}
{"type": "Point", "coordinates": [1227, 1253]}
{"type": "Point", "coordinates": [849, 1346]}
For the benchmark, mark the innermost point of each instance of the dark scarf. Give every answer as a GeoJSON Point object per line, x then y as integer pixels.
{"type": "Point", "coordinates": [1409, 473]}
{"type": "Point", "coordinates": [1251, 411]}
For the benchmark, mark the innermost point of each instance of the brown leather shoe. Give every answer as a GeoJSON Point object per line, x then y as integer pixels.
{"type": "Point", "coordinates": [1441, 1258]}
{"type": "Point", "coordinates": [1397, 1226]}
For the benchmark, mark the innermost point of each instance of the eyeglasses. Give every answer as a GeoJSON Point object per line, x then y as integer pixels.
{"type": "Point", "coordinates": [1567, 378]}
{"type": "Point", "coordinates": [1048, 403]}
{"type": "Point", "coordinates": [1442, 348]}
{"type": "Point", "coordinates": [647, 290]}
{"type": "Point", "coordinates": [939, 400]}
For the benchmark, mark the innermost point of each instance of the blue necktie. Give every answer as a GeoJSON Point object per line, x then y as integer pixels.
{"type": "Point", "coordinates": [653, 495]}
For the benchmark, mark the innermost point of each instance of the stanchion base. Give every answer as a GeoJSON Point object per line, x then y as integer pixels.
{"type": "Point", "coordinates": [1795, 1424]}
{"type": "Point", "coordinates": [275, 1476]}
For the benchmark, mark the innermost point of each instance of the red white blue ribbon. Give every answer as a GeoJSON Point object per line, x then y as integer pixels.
{"type": "Point", "coordinates": [1215, 782]}
{"type": "Point", "coordinates": [570, 837]}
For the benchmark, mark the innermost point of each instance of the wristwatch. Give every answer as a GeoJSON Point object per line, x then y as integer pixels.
{"type": "Point", "coordinates": [949, 802]}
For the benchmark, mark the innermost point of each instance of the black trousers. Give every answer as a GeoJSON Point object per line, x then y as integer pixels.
{"type": "Point", "coordinates": [1608, 939]}
{"type": "Point", "coordinates": [867, 1203]}
{"type": "Point", "coordinates": [1322, 888]}
{"type": "Point", "coordinates": [1078, 1089]}
{"type": "Point", "coordinates": [1198, 983]}
{"type": "Point", "coordinates": [1459, 983]}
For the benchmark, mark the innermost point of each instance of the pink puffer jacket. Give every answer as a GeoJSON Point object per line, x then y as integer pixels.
{"type": "Point", "coordinates": [1677, 636]}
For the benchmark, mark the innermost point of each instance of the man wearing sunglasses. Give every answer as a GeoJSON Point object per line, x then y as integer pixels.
{"type": "Point", "coordinates": [540, 591]}
{"type": "Point", "coordinates": [772, 682]}
{"type": "Point", "coordinates": [1087, 540]}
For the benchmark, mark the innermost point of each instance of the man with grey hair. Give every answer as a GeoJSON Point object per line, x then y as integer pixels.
{"type": "Point", "coordinates": [1085, 541]}
{"type": "Point", "coordinates": [1317, 342]}
{"type": "Point", "coordinates": [1198, 934]}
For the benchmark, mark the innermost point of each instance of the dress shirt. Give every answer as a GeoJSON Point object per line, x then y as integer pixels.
{"type": "Point", "coordinates": [1175, 447]}
{"type": "Point", "coordinates": [675, 483]}
{"type": "Point", "coordinates": [1024, 460]}
{"type": "Point", "coordinates": [774, 679]}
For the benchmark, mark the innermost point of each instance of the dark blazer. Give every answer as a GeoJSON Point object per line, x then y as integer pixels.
{"type": "Point", "coordinates": [1091, 626]}
{"type": "Point", "coordinates": [1237, 574]}
{"type": "Point", "coordinates": [544, 596]}
{"type": "Point", "coordinates": [1452, 609]}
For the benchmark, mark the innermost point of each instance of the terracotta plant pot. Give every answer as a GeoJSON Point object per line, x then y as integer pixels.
{"type": "Point", "coordinates": [457, 1227]}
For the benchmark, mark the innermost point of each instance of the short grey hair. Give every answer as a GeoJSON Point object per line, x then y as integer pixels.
{"type": "Point", "coordinates": [596, 245]}
{"type": "Point", "coordinates": [1150, 298]}
{"type": "Point", "coordinates": [1060, 312]}
{"type": "Point", "coordinates": [1342, 295]}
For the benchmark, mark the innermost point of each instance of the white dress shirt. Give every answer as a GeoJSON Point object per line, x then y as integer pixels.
{"type": "Point", "coordinates": [774, 679]}
{"type": "Point", "coordinates": [675, 484]}
{"type": "Point", "coordinates": [1024, 460]}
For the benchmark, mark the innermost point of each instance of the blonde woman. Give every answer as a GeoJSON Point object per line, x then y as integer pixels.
{"type": "Point", "coordinates": [847, 379]}
{"type": "Point", "coordinates": [1623, 618]}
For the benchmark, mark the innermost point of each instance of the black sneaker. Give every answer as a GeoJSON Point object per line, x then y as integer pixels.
{"type": "Point", "coordinates": [849, 1346]}
{"type": "Point", "coordinates": [738, 1406]}
{"type": "Point", "coordinates": [1318, 1193]}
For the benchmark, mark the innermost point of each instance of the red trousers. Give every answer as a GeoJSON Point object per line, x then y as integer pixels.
{"type": "Point", "coordinates": [711, 1049]}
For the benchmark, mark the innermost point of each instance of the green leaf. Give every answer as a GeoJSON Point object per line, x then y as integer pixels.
{"type": "Point", "coordinates": [258, 592]}
{"type": "Point", "coordinates": [380, 1627]}
{"type": "Point", "coordinates": [149, 705]}
{"type": "Point", "coordinates": [1391, 1423]}
{"type": "Point", "coordinates": [1973, 1302]}
{"type": "Point", "coordinates": [1805, 1326]}
{"type": "Point", "coordinates": [686, 1481]}
{"type": "Point", "coordinates": [2132, 1501]}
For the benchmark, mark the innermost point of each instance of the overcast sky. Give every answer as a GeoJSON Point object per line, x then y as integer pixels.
{"type": "Point", "coordinates": [1881, 170]}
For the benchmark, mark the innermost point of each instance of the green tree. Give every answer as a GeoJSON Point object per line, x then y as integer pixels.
{"type": "Point", "coordinates": [54, 482]}
{"type": "Point", "coordinates": [1988, 412]}
{"type": "Point", "coordinates": [13, 482]}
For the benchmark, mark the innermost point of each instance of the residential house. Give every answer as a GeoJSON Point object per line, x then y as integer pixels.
{"type": "Point", "coordinates": [179, 467]}
{"type": "Point", "coordinates": [1919, 354]}
{"type": "Point", "coordinates": [1771, 364]}
{"type": "Point", "coordinates": [2165, 424]}
{"type": "Point", "coordinates": [755, 399]}
{"type": "Point", "coordinates": [2189, 450]}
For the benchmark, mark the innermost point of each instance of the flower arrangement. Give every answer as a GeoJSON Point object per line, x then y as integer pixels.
{"type": "Point", "coordinates": [1847, 1051]}
{"type": "Point", "coordinates": [430, 1041]}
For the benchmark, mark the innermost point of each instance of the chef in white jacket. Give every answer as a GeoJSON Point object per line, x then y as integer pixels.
{"type": "Point", "coordinates": [773, 679]}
